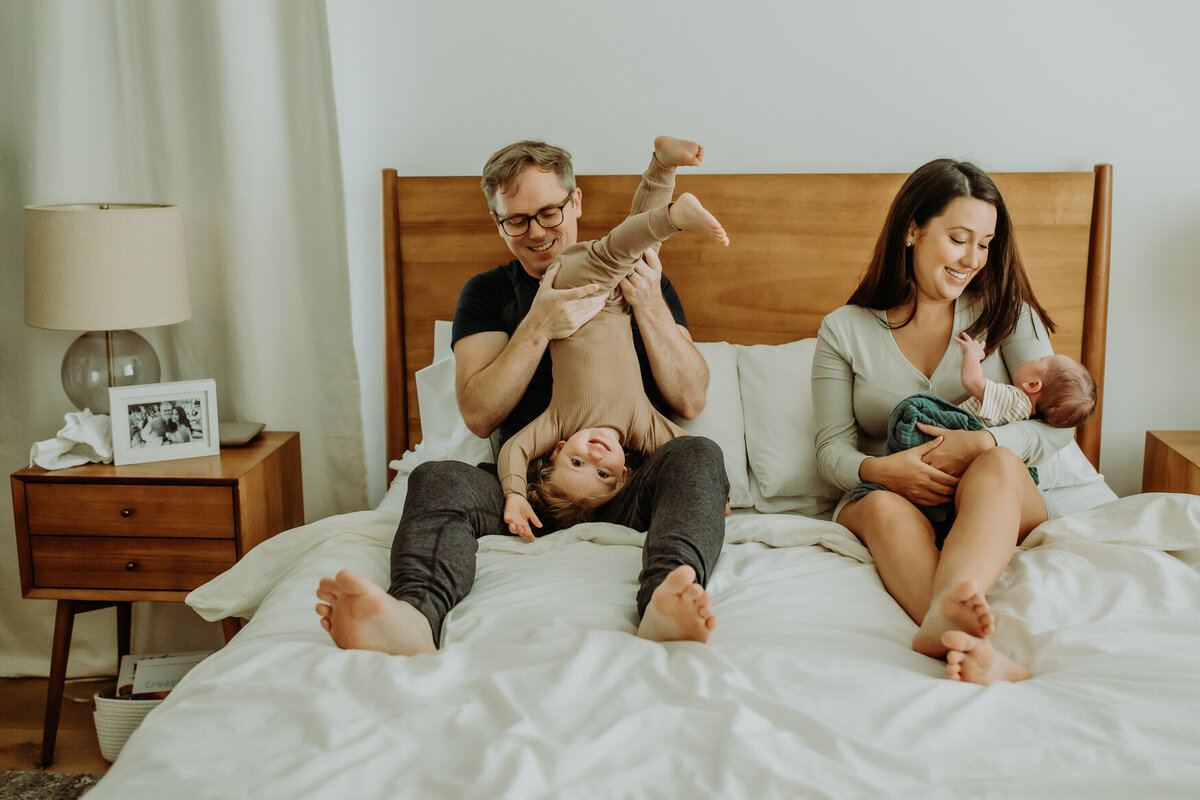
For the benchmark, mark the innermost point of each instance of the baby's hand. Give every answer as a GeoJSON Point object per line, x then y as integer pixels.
{"type": "Point", "coordinates": [518, 514]}
{"type": "Point", "coordinates": [971, 348]}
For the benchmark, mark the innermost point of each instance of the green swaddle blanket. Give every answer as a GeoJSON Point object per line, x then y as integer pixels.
{"type": "Point", "coordinates": [903, 433]}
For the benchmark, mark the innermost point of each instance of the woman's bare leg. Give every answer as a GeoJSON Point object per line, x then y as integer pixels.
{"type": "Point", "coordinates": [945, 593]}
{"type": "Point", "coordinates": [998, 505]}
{"type": "Point", "coordinates": [901, 541]}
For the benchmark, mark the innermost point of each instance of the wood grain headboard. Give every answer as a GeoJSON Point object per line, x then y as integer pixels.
{"type": "Point", "coordinates": [798, 246]}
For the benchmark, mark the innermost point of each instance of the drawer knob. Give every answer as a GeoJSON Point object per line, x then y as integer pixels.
{"type": "Point", "coordinates": [130, 565]}
{"type": "Point", "coordinates": [125, 512]}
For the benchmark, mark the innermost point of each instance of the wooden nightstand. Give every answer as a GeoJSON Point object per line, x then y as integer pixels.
{"type": "Point", "coordinates": [1172, 462]}
{"type": "Point", "coordinates": [99, 535]}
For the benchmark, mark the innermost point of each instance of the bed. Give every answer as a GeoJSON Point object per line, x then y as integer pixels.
{"type": "Point", "coordinates": [808, 687]}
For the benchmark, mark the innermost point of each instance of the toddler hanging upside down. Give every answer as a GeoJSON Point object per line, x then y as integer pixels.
{"type": "Point", "coordinates": [598, 408]}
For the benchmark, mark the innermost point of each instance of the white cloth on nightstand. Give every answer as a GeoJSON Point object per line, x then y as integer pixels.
{"type": "Point", "coordinates": [86, 437]}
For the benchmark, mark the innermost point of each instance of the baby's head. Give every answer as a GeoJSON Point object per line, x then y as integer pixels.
{"type": "Point", "coordinates": [578, 475]}
{"type": "Point", "coordinates": [1062, 390]}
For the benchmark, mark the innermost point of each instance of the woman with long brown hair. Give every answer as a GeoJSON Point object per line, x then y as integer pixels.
{"type": "Point", "coordinates": [945, 262]}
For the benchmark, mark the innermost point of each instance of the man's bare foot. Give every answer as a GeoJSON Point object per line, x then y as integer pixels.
{"type": "Point", "coordinates": [361, 616]}
{"type": "Point", "coordinates": [672, 152]}
{"type": "Point", "coordinates": [974, 660]}
{"type": "Point", "coordinates": [679, 609]}
{"type": "Point", "coordinates": [961, 608]}
{"type": "Point", "coordinates": [687, 214]}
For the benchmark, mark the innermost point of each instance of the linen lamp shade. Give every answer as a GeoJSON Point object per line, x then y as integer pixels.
{"type": "Point", "coordinates": [105, 267]}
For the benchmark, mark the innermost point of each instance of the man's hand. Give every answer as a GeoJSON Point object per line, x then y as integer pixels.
{"type": "Point", "coordinates": [644, 284]}
{"type": "Point", "coordinates": [492, 369]}
{"type": "Point", "coordinates": [678, 368]}
{"type": "Point", "coordinates": [519, 514]}
{"type": "Point", "coordinates": [558, 313]}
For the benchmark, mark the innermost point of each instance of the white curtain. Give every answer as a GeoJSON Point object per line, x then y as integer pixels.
{"type": "Point", "coordinates": [224, 108]}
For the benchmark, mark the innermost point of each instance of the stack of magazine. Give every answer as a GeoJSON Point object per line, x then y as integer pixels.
{"type": "Point", "coordinates": [153, 676]}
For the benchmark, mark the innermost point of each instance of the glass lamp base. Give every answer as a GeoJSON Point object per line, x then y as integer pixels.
{"type": "Point", "coordinates": [86, 366]}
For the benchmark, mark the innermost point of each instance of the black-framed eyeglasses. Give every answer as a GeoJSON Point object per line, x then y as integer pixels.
{"type": "Point", "coordinates": [548, 217]}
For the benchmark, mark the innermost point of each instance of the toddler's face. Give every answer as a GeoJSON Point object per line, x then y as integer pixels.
{"type": "Point", "coordinates": [591, 463]}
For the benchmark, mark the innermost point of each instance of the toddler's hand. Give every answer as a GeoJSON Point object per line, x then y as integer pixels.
{"type": "Point", "coordinates": [518, 514]}
{"type": "Point", "coordinates": [971, 348]}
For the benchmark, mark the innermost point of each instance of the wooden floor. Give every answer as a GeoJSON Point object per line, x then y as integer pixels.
{"type": "Point", "coordinates": [23, 701]}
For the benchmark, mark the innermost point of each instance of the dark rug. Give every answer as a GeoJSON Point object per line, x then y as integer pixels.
{"type": "Point", "coordinates": [36, 785]}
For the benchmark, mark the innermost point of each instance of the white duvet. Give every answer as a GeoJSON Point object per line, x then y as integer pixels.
{"type": "Point", "coordinates": [807, 688]}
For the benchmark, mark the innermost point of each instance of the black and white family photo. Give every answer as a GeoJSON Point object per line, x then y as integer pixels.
{"type": "Point", "coordinates": [168, 422]}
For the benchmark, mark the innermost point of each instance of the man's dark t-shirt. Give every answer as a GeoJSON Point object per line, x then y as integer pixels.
{"type": "Point", "coordinates": [497, 300]}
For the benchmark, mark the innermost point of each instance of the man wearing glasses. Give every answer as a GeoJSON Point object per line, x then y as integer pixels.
{"type": "Point", "coordinates": [504, 321]}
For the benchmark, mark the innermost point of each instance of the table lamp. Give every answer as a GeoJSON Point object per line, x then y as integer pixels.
{"type": "Point", "coordinates": [104, 268]}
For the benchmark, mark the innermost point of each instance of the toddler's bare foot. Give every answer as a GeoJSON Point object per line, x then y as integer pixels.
{"type": "Point", "coordinates": [687, 214]}
{"type": "Point", "coordinates": [672, 152]}
{"type": "Point", "coordinates": [679, 609]}
{"type": "Point", "coordinates": [361, 616]}
{"type": "Point", "coordinates": [961, 608]}
{"type": "Point", "coordinates": [974, 660]}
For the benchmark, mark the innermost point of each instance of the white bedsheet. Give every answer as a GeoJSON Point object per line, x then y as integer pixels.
{"type": "Point", "coordinates": [808, 687]}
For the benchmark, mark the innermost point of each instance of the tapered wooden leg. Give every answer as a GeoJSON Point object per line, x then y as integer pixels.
{"type": "Point", "coordinates": [124, 626]}
{"type": "Point", "coordinates": [230, 626]}
{"type": "Point", "coordinates": [64, 623]}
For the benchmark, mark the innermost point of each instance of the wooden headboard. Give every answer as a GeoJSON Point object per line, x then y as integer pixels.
{"type": "Point", "coordinates": [798, 244]}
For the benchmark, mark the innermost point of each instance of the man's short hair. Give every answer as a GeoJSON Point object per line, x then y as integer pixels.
{"type": "Point", "coordinates": [505, 166]}
{"type": "Point", "coordinates": [1068, 394]}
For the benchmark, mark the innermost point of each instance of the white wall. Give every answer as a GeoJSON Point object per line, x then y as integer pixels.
{"type": "Point", "coordinates": [434, 88]}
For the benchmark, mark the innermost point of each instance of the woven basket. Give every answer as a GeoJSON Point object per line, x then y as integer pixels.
{"type": "Point", "coordinates": [116, 719]}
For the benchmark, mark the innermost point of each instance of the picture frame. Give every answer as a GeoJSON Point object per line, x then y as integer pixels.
{"type": "Point", "coordinates": [164, 421]}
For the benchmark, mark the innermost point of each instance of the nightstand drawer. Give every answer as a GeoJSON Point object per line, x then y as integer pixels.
{"type": "Point", "coordinates": [97, 562]}
{"type": "Point", "coordinates": [96, 509]}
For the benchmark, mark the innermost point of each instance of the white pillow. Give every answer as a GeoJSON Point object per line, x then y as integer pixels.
{"type": "Point", "coordinates": [444, 435]}
{"type": "Point", "coordinates": [775, 383]}
{"type": "Point", "coordinates": [443, 432]}
{"type": "Point", "coordinates": [1067, 467]}
{"type": "Point", "coordinates": [721, 419]}
{"type": "Point", "coordinates": [442, 330]}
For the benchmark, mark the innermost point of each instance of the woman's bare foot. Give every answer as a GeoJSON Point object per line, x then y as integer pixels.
{"type": "Point", "coordinates": [679, 609]}
{"type": "Point", "coordinates": [361, 616]}
{"type": "Point", "coordinates": [961, 608]}
{"type": "Point", "coordinates": [974, 660]}
{"type": "Point", "coordinates": [687, 214]}
{"type": "Point", "coordinates": [672, 152]}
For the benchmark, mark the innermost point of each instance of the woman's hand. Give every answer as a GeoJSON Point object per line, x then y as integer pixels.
{"type": "Point", "coordinates": [957, 449]}
{"type": "Point", "coordinates": [907, 474]}
{"type": "Point", "coordinates": [519, 514]}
